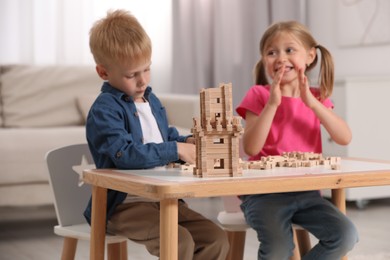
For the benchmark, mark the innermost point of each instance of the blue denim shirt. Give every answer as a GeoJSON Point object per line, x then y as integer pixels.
{"type": "Point", "coordinates": [115, 137]}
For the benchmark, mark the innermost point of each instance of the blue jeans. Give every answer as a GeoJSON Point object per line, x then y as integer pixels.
{"type": "Point", "coordinates": [271, 215]}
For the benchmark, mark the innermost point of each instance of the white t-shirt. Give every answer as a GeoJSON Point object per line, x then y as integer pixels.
{"type": "Point", "coordinates": [150, 130]}
{"type": "Point", "coordinates": [151, 134]}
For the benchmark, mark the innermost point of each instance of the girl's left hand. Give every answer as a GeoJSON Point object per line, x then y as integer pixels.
{"type": "Point", "coordinates": [306, 95]}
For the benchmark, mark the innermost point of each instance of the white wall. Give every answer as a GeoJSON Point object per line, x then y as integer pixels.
{"type": "Point", "coordinates": [323, 18]}
{"type": "Point", "coordinates": [57, 32]}
{"type": "Point", "coordinates": [324, 21]}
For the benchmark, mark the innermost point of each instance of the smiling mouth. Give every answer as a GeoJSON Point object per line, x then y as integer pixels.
{"type": "Point", "coordinates": [286, 68]}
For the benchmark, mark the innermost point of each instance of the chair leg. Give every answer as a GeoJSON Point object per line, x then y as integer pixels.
{"type": "Point", "coordinates": [113, 251]}
{"type": "Point", "coordinates": [69, 248]}
{"type": "Point", "coordinates": [296, 254]}
{"type": "Point", "coordinates": [237, 245]}
{"type": "Point", "coordinates": [304, 241]}
{"type": "Point", "coordinates": [123, 247]}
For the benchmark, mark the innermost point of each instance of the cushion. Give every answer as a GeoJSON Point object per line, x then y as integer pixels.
{"type": "Point", "coordinates": [3, 69]}
{"type": "Point", "coordinates": [42, 96]}
{"type": "Point", "coordinates": [23, 151]}
{"type": "Point", "coordinates": [180, 108]}
{"type": "Point", "coordinates": [84, 103]}
{"type": "Point", "coordinates": [1, 107]}
{"type": "Point", "coordinates": [183, 131]}
{"type": "Point", "coordinates": [31, 194]}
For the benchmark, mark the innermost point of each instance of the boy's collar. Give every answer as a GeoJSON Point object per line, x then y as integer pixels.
{"type": "Point", "coordinates": [121, 95]}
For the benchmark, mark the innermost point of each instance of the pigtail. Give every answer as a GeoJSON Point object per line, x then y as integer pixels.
{"type": "Point", "coordinates": [259, 73]}
{"type": "Point", "coordinates": [326, 77]}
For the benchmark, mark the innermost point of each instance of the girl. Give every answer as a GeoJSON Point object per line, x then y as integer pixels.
{"type": "Point", "coordinates": [285, 116]}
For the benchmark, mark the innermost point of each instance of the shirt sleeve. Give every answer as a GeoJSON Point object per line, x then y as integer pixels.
{"type": "Point", "coordinates": [328, 103]}
{"type": "Point", "coordinates": [173, 135]}
{"type": "Point", "coordinates": [254, 100]}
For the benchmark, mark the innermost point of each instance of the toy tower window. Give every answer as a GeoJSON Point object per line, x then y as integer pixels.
{"type": "Point", "coordinates": [219, 163]}
{"type": "Point", "coordinates": [219, 140]}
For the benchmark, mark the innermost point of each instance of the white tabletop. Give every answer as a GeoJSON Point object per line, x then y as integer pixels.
{"type": "Point", "coordinates": [177, 175]}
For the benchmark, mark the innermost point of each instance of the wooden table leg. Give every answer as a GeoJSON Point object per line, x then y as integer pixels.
{"type": "Point", "coordinates": [169, 229]}
{"type": "Point", "coordinates": [98, 223]}
{"type": "Point", "coordinates": [338, 199]}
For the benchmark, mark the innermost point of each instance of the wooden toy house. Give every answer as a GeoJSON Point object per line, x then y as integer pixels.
{"type": "Point", "coordinates": [217, 134]}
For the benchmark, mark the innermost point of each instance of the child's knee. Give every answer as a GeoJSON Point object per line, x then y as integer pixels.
{"type": "Point", "coordinates": [276, 247]}
{"type": "Point", "coordinates": [345, 238]}
{"type": "Point", "coordinates": [186, 245]}
{"type": "Point", "coordinates": [222, 240]}
{"type": "Point", "coordinates": [217, 245]}
{"type": "Point", "coordinates": [350, 236]}
{"type": "Point", "coordinates": [216, 237]}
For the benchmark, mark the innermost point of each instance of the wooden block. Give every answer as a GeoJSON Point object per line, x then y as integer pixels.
{"type": "Point", "coordinates": [335, 166]}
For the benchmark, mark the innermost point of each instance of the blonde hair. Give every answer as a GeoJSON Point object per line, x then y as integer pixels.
{"type": "Point", "coordinates": [119, 37]}
{"type": "Point", "coordinates": [326, 74]}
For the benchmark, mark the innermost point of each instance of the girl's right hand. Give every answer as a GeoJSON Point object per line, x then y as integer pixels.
{"type": "Point", "coordinates": [257, 127]}
{"type": "Point", "coordinates": [275, 91]}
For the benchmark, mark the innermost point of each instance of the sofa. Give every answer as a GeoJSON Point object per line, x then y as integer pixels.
{"type": "Point", "coordinates": [44, 107]}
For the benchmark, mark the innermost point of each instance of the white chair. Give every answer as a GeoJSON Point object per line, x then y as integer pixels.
{"type": "Point", "coordinates": [70, 200]}
{"type": "Point", "coordinates": [233, 221]}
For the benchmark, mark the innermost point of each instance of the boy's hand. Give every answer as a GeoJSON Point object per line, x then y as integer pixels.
{"type": "Point", "coordinates": [187, 152]}
{"type": "Point", "coordinates": [190, 140]}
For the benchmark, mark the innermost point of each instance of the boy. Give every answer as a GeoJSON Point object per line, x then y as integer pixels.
{"type": "Point", "coordinates": [127, 128]}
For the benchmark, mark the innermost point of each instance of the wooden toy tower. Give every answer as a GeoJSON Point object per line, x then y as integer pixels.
{"type": "Point", "coordinates": [217, 134]}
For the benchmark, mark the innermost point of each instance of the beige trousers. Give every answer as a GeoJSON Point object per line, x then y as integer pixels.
{"type": "Point", "coordinates": [199, 237]}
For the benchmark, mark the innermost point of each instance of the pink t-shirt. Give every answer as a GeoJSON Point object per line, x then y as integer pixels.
{"type": "Point", "coordinates": [295, 126]}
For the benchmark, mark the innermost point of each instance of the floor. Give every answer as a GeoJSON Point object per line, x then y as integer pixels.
{"type": "Point", "coordinates": [27, 233]}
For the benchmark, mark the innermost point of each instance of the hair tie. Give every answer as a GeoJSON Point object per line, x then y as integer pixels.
{"type": "Point", "coordinates": [317, 46]}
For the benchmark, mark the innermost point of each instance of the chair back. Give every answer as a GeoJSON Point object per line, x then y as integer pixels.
{"type": "Point", "coordinates": [65, 165]}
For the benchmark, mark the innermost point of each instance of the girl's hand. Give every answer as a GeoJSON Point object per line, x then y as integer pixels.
{"type": "Point", "coordinates": [337, 128]}
{"type": "Point", "coordinates": [275, 91]}
{"type": "Point", "coordinates": [306, 95]}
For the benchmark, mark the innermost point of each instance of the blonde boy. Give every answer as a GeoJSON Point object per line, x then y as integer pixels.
{"type": "Point", "coordinates": [127, 128]}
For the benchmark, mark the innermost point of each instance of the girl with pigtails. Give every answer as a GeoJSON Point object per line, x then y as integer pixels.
{"type": "Point", "coordinates": [283, 113]}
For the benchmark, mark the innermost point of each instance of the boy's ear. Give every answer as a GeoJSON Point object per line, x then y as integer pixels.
{"type": "Point", "coordinates": [101, 71]}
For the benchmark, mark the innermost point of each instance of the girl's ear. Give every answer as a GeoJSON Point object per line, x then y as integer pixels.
{"type": "Point", "coordinates": [102, 72]}
{"type": "Point", "coordinates": [312, 53]}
